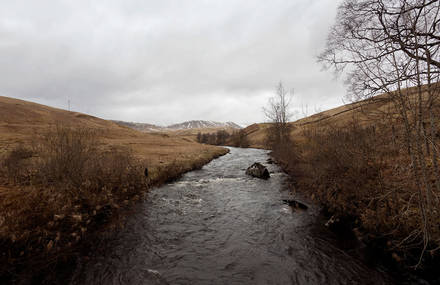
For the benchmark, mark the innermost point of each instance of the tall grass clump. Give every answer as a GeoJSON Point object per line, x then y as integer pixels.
{"type": "Point", "coordinates": [13, 164]}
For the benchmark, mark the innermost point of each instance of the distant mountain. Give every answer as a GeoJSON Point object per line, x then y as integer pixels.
{"type": "Point", "coordinates": [196, 124]}
{"type": "Point", "coordinates": [140, 126]}
{"type": "Point", "coordinates": [199, 124]}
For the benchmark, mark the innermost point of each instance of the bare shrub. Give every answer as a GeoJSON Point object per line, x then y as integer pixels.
{"type": "Point", "coordinates": [15, 163]}
{"type": "Point", "coordinates": [74, 189]}
{"type": "Point", "coordinates": [278, 137]}
{"type": "Point", "coordinates": [277, 112]}
{"type": "Point", "coordinates": [65, 156]}
{"type": "Point", "coordinates": [359, 172]}
{"type": "Point", "coordinates": [344, 165]}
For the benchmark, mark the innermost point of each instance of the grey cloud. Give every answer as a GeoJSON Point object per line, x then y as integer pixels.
{"type": "Point", "coordinates": [165, 61]}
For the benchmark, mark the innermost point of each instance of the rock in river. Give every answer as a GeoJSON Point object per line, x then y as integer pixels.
{"type": "Point", "coordinates": [295, 204]}
{"type": "Point", "coordinates": [258, 170]}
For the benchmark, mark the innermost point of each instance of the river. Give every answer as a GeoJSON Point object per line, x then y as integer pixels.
{"type": "Point", "coordinates": [218, 226]}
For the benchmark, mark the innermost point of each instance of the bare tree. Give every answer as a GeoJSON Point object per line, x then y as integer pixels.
{"type": "Point", "coordinates": [278, 113]}
{"type": "Point", "coordinates": [393, 47]}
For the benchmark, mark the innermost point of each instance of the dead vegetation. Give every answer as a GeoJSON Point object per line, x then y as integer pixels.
{"type": "Point", "coordinates": [391, 47]}
{"type": "Point", "coordinates": [65, 188]}
{"type": "Point", "coordinates": [366, 174]}
{"type": "Point", "coordinates": [59, 190]}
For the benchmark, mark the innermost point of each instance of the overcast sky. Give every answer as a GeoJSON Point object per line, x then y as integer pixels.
{"type": "Point", "coordinates": [167, 61]}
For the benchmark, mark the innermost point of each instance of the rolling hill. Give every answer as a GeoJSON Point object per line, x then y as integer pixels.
{"type": "Point", "coordinates": [21, 122]}
{"type": "Point", "coordinates": [365, 112]}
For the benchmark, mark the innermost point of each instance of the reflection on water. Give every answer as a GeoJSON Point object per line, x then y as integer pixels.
{"type": "Point", "coordinates": [218, 226]}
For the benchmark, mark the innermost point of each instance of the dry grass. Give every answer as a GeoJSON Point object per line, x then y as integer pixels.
{"type": "Point", "coordinates": [59, 191]}
{"type": "Point", "coordinates": [21, 122]}
{"type": "Point", "coordinates": [366, 113]}
{"type": "Point", "coordinates": [358, 174]}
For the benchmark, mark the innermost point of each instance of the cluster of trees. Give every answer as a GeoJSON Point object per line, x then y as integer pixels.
{"type": "Point", "coordinates": [238, 138]}
{"type": "Point", "coordinates": [218, 138]}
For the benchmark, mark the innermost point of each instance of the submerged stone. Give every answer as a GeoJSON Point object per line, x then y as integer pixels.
{"type": "Point", "coordinates": [295, 204]}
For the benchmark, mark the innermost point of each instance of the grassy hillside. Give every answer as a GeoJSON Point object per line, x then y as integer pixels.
{"type": "Point", "coordinates": [21, 122]}
{"type": "Point", "coordinates": [366, 113]}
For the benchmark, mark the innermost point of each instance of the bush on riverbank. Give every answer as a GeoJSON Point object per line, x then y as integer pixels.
{"type": "Point", "coordinates": [364, 173]}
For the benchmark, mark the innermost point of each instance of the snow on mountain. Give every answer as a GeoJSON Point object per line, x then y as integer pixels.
{"type": "Point", "coordinates": [195, 124]}
{"type": "Point", "coordinates": [200, 124]}
{"type": "Point", "coordinates": [140, 126]}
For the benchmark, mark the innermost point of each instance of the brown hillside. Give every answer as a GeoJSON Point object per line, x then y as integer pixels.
{"type": "Point", "coordinates": [365, 112]}
{"type": "Point", "coordinates": [22, 121]}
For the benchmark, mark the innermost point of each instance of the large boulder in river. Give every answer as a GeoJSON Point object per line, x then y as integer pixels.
{"type": "Point", "coordinates": [258, 170]}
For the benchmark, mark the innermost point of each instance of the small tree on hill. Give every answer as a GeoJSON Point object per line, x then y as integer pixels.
{"type": "Point", "coordinates": [277, 112]}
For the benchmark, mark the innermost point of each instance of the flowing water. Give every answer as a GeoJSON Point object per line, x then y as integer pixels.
{"type": "Point", "coordinates": [218, 226]}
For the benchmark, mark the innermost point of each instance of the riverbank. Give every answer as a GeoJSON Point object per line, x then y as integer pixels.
{"type": "Point", "coordinates": [367, 194]}
{"type": "Point", "coordinates": [66, 177]}
{"type": "Point", "coordinates": [344, 217]}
